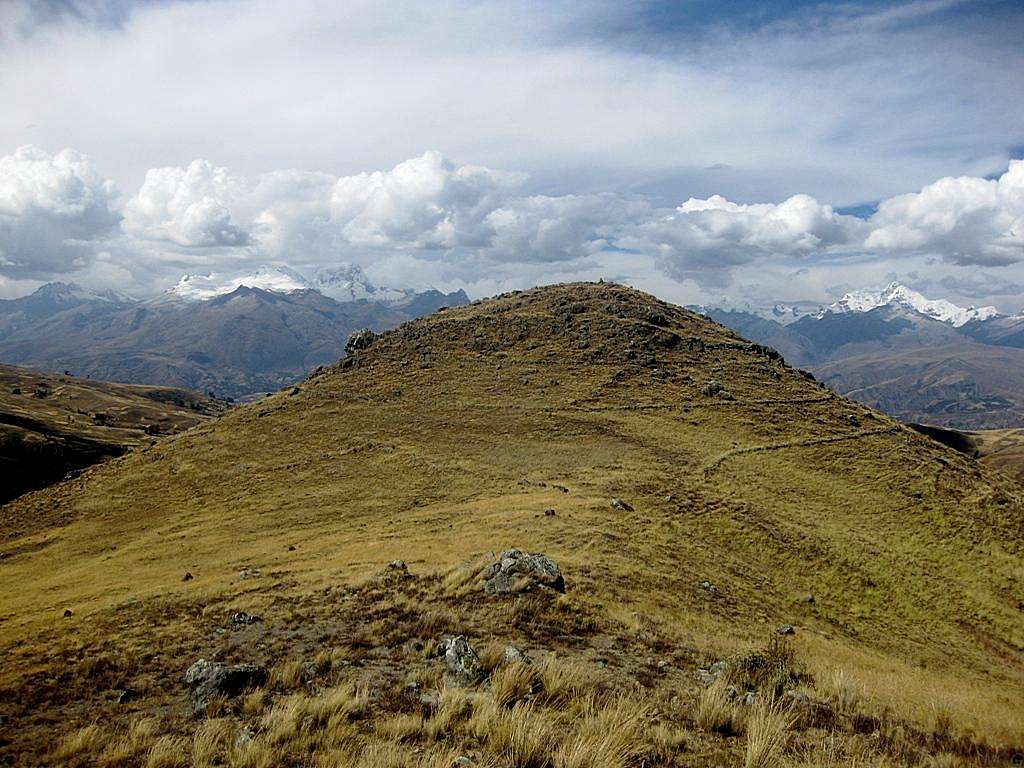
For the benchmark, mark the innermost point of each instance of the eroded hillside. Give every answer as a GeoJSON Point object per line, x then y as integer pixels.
{"type": "Point", "coordinates": [52, 424]}
{"type": "Point", "coordinates": [747, 497]}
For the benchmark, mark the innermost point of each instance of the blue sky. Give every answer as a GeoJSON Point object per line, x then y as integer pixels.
{"type": "Point", "coordinates": [608, 116]}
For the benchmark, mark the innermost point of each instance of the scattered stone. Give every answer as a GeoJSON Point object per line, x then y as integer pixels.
{"type": "Point", "coordinates": [852, 420]}
{"type": "Point", "coordinates": [296, 390]}
{"type": "Point", "coordinates": [549, 513]}
{"type": "Point", "coordinates": [513, 654]}
{"type": "Point", "coordinates": [707, 586]}
{"type": "Point", "coordinates": [711, 388]}
{"type": "Point", "coordinates": [725, 394]}
{"type": "Point", "coordinates": [187, 577]}
{"type": "Point", "coordinates": [462, 660]}
{"type": "Point", "coordinates": [242, 618]}
{"type": "Point", "coordinates": [516, 572]}
{"type": "Point", "coordinates": [248, 573]}
{"type": "Point", "coordinates": [622, 505]}
{"type": "Point", "coordinates": [809, 599]}
{"type": "Point", "coordinates": [785, 629]}
{"type": "Point", "coordinates": [359, 340]}
{"type": "Point", "coordinates": [207, 679]}
{"type": "Point", "coordinates": [68, 613]}
{"type": "Point", "coordinates": [291, 547]}
{"type": "Point", "coordinates": [561, 488]}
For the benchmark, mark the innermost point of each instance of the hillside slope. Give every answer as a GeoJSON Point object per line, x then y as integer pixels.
{"type": "Point", "coordinates": [246, 342]}
{"type": "Point", "coordinates": [52, 424]}
{"type": "Point", "coordinates": [749, 496]}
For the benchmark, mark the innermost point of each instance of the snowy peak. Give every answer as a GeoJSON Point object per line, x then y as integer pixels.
{"type": "Point", "coordinates": [898, 295]}
{"type": "Point", "coordinates": [348, 282]}
{"type": "Point", "coordinates": [199, 287]}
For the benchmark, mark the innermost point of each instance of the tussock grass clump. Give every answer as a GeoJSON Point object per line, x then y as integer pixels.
{"type": "Point", "coordinates": [520, 734]}
{"type": "Point", "coordinates": [514, 682]}
{"type": "Point", "coordinates": [563, 680]}
{"type": "Point", "coordinates": [167, 752]}
{"type": "Point", "coordinates": [768, 727]}
{"type": "Point", "coordinates": [84, 741]}
{"type": "Point", "coordinates": [715, 710]}
{"type": "Point", "coordinates": [609, 734]}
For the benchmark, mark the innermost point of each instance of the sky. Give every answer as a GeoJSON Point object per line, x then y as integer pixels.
{"type": "Point", "coordinates": [721, 153]}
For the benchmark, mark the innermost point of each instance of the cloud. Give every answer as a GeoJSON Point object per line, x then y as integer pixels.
{"type": "Point", "coordinates": [704, 239]}
{"type": "Point", "coordinates": [187, 206]}
{"type": "Point", "coordinates": [52, 209]}
{"type": "Point", "coordinates": [968, 220]}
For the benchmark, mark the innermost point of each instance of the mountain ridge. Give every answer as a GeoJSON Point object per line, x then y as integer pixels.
{"type": "Point", "coordinates": [692, 487]}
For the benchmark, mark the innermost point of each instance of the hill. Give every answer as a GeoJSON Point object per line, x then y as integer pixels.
{"type": "Point", "coordinates": [237, 344]}
{"type": "Point", "coordinates": [51, 425]}
{"type": "Point", "coordinates": [704, 502]}
{"type": "Point", "coordinates": [906, 363]}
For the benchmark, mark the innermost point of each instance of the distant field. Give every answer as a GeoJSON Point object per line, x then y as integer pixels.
{"type": "Point", "coordinates": [1002, 449]}
{"type": "Point", "coordinates": [52, 424]}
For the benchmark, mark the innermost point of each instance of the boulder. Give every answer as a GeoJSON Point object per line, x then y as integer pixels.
{"type": "Point", "coordinates": [462, 661]}
{"type": "Point", "coordinates": [516, 572]}
{"type": "Point", "coordinates": [785, 629]}
{"type": "Point", "coordinates": [622, 505]}
{"type": "Point", "coordinates": [515, 655]}
{"type": "Point", "coordinates": [208, 679]}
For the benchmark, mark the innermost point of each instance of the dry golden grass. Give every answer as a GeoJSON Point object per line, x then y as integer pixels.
{"type": "Point", "coordinates": [515, 681]}
{"type": "Point", "coordinates": [715, 710]}
{"type": "Point", "coordinates": [768, 728]}
{"type": "Point", "coordinates": [449, 439]}
{"type": "Point", "coordinates": [609, 734]}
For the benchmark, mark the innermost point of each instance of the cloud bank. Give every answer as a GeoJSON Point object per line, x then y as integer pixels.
{"type": "Point", "coordinates": [59, 216]}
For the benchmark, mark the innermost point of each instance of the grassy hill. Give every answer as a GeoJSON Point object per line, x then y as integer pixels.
{"type": "Point", "coordinates": [748, 497]}
{"type": "Point", "coordinates": [51, 424]}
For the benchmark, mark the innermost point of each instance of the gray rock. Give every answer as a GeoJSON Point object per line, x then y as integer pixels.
{"type": "Point", "coordinates": [242, 618]}
{"type": "Point", "coordinates": [785, 629]}
{"type": "Point", "coordinates": [462, 661]}
{"type": "Point", "coordinates": [712, 387]}
{"type": "Point", "coordinates": [359, 340]}
{"type": "Point", "coordinates": [622, 505]}
{"type": "Point", "coordinates": [207, 679]}
{"type": "Point", "coordinates": [513, 654]}
{"type": "Point", "coordinates": [517, 571]}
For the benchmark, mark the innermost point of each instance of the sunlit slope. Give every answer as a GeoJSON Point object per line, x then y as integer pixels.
{"type": "Point", "coordinates": [433, 443]}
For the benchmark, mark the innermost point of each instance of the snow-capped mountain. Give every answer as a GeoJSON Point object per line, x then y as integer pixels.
{"type": "Point", "coordinates": [278, 279]}
{"type": "Point", "coordinates": [346, 282]}
{"type": "Point", "coordinates": [898, 295]}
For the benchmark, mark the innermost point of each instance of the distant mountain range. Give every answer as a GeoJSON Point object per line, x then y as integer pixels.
{"type": "Point", "coordinates": [232, 337]}
{"type": "Point", "coordinates": [918, 359]}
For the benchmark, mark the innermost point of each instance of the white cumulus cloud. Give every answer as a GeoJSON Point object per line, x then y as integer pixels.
{"type": "Point", "coordinates": [51, 207]}
{"type": "Point", "coordinates": [187, 206]}
{"type": "Point", "coordinates": [705, 239]}
{"type": "Point", "coordinates": [966, 219]}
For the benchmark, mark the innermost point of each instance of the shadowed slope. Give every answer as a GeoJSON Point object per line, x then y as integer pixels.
{"type": "Point", "coordinates": [452, 435]}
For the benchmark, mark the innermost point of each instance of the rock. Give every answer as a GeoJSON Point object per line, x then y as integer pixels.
{"type": "Point", "coordinates": [398, 565]}
{"type": "Point", "coordinates": [549, 513]}
{"type": "Point", "coordinates": [187, 577]}
{"type": "Point", "coordinates": [248, 573]}
{"type": "Point", "coordinates": [785, 629]}
{"type": "Point", "coordinates": [462, 661]}
{"type": "Point", "coordinates": [707, 586]}
{"type": "Point", "coordinates": [516, 572]}
{"type": "Point", "coordinates": [725, 394]}
{"type": "Point", "coordinates": [705, 678]}
{"type": "Point", "coordinates": [359, 340]}
{"type": "Point", "coordinates": [68, 613]}
{"type": "Point", "coordinates": [514, 655]}
{"type": "Point", "coordinates": [712, 388]}
{"type": "Point", "coordinates": [207, 679]}
{"type": "Point", "coordinates": [809, 599]}
{"type": "Point", "coordinates": [241, 618]}
{"type": "Point", "coordinates": [622, 505]}
{"type": "Point", "coordinates": [291, 547]}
